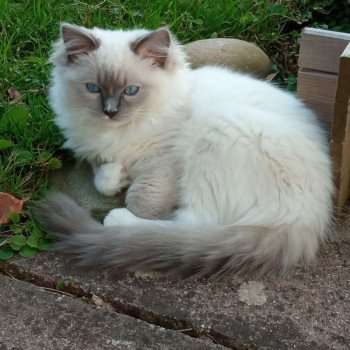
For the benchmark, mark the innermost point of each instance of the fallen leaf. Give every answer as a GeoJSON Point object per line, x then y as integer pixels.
{"type": "Point", "coordinates": [100, 303]}
{"type": "Point", "coordinates": [271, 76]}
{"type": "Point", "coordinates": [8, 204]}
{"type": "Point", "coordinates": [13, 94]}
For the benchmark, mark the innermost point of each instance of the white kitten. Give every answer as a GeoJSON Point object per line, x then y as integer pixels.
{"type": "Point", "coordinates": [245, 163]}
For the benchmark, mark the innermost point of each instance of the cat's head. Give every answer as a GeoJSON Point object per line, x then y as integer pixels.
{"type": "Point", "coordinates": [114, 75]}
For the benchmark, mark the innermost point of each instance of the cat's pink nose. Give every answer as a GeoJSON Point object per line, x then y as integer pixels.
{"type": "Point", "coordinates": [110, 114]}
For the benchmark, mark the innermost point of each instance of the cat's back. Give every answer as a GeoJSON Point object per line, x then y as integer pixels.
{"type": "Point", "coordinates": [226, 103]}
{"type": "Point", "coordinates": [221, 92]}
{"type": "Point", "coordinates": [225, 84]}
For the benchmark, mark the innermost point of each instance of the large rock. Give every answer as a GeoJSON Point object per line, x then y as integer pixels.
{"type": "Point", "coordinates": [76, 180]}
{"type": "Point", "coordinates": [232, 53]}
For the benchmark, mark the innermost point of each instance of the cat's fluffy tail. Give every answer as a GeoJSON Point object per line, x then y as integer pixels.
{"type": "Point", "coordinates": [162, 246]}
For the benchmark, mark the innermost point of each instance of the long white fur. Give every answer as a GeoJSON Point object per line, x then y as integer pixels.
{"type": "Point", "coordinates": [248, 154]}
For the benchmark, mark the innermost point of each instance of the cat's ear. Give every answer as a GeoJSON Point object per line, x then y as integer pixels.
{"type": "Point", "coordinates": [154, 45]}
{"type": "Point", "coordinates": [78, 41]}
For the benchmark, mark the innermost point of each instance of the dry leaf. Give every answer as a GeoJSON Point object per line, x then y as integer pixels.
{"type": "Point", "coordinates": [8, 204]}
{"type": "Point", "coordinates": [100, 303]}
{"type": "Point", "coordinates": [271, 76]}
{"type": "Point", "coordinates": [13, 94]}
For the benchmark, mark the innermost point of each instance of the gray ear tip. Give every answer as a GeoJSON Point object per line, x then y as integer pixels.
{"type": "Point", "coordinates": [165, 30]}
{"type": "Point", "coordinates": [165, 34]}
{"type": "Point", "coordinates": [66, 25]}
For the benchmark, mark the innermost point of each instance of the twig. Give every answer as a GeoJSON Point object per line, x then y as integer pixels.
{"type": "Point", "coordinates": [212, 338]}
{"type": "Point", "coordinates": [56, 291]}
{"type": "Point", "coordinates": [185, 330]}
{"type": "Point", "coordinates": [7, 273]}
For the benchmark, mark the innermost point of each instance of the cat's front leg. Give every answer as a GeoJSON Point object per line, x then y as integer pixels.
{"type": "Point", "coordinates": [153, 195]}
{"type": "Point", "coordinates": [110, 178]}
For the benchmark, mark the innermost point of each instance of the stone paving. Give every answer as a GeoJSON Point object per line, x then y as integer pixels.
{"type": "Point", "coordinates": [304, 309]}
{"type": "Point", "coordinates": [36, 318]}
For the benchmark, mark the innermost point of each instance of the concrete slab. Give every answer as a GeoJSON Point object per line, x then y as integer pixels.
{"type": "Point", "coordinates": [305, 309]}
{"type": "Point", "coordinates": [33, 318]}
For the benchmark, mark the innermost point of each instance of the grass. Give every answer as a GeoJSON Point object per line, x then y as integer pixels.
{"type": "Point", "coordinates": [29, 141]}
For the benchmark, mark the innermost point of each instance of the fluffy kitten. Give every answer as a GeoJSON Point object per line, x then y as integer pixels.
{"type": "Point", "coordinates": [245, 163]}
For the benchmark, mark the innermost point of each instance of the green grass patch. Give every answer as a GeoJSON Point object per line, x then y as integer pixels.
{"type": "Point", "coordinates": [29, 141]}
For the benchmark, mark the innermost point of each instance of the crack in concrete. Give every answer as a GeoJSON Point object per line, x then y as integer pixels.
{"type": "Point", "coordinates": [122, 307]}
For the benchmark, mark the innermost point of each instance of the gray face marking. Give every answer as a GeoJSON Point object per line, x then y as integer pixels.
{"type": "Point", "coordinates": [111, 103]}
{"type": "Point", "coordinates": [110, 106]}
{"type": "Point", "coordinates": [112, 85]}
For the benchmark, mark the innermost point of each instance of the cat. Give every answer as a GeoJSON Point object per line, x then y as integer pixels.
{"type": "Point", "coordinates": [225, 173]}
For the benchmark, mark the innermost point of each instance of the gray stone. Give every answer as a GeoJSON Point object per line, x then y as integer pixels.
{"type": "Point", "coordinates": [33, 318]}
{"type": "Point", "coordinates": [232, 53]}
{"type": "Point", "coordinates": [76, 180]}
{"type": "Point", "coordinates": [304, 309]}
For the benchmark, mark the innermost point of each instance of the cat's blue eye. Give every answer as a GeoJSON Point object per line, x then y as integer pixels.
{"type": "Point", "coordinates": [93, 88]}
{"type": "Point", "coordinates": [131, 90]}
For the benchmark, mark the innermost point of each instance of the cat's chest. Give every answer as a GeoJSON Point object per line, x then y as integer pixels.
{"type": "Point", "coordinates": [127, 147]}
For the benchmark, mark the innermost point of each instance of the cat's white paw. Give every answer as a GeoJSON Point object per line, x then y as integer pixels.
{"type": "Point", "coordinates": [110, 178]}
{"type": "Point", "coordinates": [120, 217]}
